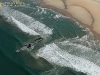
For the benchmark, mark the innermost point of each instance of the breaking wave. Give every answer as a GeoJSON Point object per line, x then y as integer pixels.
{"type": "Point", "coordinates": [81, 54]}
{"type": "Point", "coordinates": [27, 20]}
{"type": "Point", "coordinates": [21, 26]}
{"type": "Point", "coordinates": [57, 56]}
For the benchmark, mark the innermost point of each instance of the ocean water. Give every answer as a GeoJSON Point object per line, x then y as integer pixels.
{"type": "Point", "coordinates": [67, 48]}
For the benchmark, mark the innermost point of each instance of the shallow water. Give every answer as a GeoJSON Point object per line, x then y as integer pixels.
{"type": "Point", "coordinates": [66, 49]}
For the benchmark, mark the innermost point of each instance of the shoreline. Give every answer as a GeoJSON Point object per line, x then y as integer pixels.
{"type": "Point", "coordinates": [67, 14]}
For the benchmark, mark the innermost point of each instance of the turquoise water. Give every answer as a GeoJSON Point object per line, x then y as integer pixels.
{"type": "Point", "coordinates": [11, 39]}
{"type": "Point", "coordinates": [10, 62]}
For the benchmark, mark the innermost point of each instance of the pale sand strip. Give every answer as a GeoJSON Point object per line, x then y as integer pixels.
{"type": "Point", "coordinates": [75, 11]}
{"type": "Point", "coordinates": [86, 12]}
{"type": "Point", "coordinates": [93, 7]}
{"type": "Point", "coordinates": [56, 3]}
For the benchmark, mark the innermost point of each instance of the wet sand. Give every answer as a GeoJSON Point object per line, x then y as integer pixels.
{"type": "Point", "coordinates": [86, 12]}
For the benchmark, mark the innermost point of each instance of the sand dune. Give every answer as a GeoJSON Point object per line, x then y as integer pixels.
{"type": "Point", "coordinates": [85, 11]}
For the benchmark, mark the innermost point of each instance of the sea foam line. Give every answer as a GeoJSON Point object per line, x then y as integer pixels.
{"type": "Point", "coordinates": [79, 50]}
{"type": "Point", "coordinates": [27, 20]}
{"type": "Point", "coordinates": [21, 26]}
{"type": "Point", "coordinates": [57, 56]}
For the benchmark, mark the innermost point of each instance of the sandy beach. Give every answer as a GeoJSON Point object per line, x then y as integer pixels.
{"type": "Point", "coordinates": [86, 12]}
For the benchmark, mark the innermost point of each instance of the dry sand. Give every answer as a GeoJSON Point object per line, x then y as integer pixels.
{"type": "Point", "coordinates": [86, 12]}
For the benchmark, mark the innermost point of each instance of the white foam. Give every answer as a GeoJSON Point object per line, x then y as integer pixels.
{"type": "Point", "coordinates": [57, 56]}
{"type": "Point", "coordinates": [21, 26]}
{"type": "Point", "coordinates": [27, 20]}
{"type": "Point", "coordinates": [53, 53]}
{"type": "Point", "coordinates": [58, 16]}
{"type": "Point", "coordinates": [41, 10]}
{"type": "Point", "coordinates": [81, 50]}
